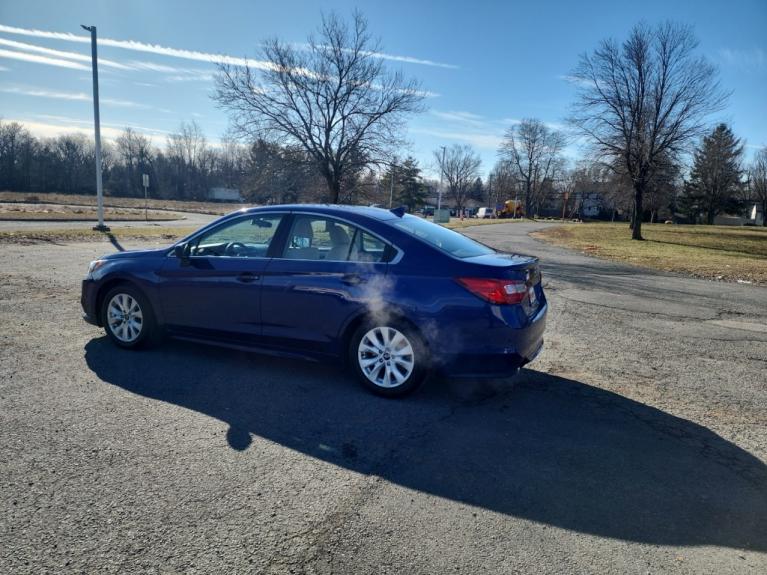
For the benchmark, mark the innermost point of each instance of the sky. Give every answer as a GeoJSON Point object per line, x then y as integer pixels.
{"type": "Point", "coordinates": [486, 65]}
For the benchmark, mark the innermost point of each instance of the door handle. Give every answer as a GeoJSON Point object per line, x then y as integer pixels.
{"type": "Point", "coordinates": [352, 279]}
{"type": "Point", "coordinates": [247, 277]}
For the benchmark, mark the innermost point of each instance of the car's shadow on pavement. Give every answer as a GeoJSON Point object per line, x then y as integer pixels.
{"type": "Point", "coordinates": [548, 449]}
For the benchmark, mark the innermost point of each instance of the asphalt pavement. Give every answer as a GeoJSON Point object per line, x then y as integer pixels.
{"type": "Point", "coordinates": [636, 443]}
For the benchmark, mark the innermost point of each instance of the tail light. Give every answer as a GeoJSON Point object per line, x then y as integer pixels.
{"type": "Point", "coordinates": [497, 291]}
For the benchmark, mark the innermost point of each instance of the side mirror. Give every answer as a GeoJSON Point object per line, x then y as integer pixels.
{"type": "Point", "coordinates": [181, 251]}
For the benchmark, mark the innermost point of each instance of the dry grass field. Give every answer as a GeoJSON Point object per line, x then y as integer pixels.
{"type": "Point", "coordinates": [115, 202]}
{"type": "Point", "coordinates": [57, 212]}
{"type": "Point", "coordinates": [712, 252]}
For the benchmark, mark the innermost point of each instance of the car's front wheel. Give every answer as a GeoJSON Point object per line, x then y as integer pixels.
{"type": "Point", "coordinates": [390, 360]}
{"type": "Point", "coordinates": [127, 317]}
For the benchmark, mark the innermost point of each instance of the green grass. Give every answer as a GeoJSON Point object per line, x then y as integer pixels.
{"type": "Point", "coordinates": [713, 252]}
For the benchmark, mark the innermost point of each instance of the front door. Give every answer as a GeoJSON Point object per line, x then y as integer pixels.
{"type": "Point", "coordinates": [216, 294]}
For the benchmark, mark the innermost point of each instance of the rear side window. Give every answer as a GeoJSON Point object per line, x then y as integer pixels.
{"type": "Point", "coordinates": [447, 240]}
{"type": "Point", "coordinates": [327, 239]}
{"type": "Point", "coordinates": [367, 248]}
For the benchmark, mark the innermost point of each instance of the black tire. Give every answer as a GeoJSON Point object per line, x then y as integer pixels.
{"type": "Point", "coordinates": [420, 358]}
{"type": "Point", "coordinates": [147, 333]}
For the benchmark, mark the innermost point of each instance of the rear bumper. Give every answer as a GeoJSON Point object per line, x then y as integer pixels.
{"type": "Point", "coordinates": [490, 357]}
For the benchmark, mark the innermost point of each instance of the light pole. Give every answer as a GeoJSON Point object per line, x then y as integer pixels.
{"type": "Point", "coordinates": [441, 174]}
{"type": "Point", "coordinates": [97, 129]}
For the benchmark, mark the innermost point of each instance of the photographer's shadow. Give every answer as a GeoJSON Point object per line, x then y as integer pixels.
{"type": "Point", "coordinates": [549, 449]}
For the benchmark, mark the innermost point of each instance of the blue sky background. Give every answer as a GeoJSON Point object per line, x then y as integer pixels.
{"type": "Point", "coordinates": [500, 61]}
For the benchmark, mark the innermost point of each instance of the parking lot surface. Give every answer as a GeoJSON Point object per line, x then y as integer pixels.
{"type": "Point", "coordinates": [636, 443]}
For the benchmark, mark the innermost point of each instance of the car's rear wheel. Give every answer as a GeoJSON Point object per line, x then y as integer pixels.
{"type": "Point", "coordinates": [390, 360]}
{"type": "Point", "coordinates": [127, 317]}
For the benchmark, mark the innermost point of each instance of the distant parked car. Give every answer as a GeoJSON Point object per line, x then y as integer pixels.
{"type": "Point", "coordinates": [392, 294]}
{"type": "Point", "coordinates": [484, 213]}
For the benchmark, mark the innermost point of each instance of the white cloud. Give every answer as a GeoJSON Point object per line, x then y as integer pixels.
{"type": "Point", "coordinates": [459, 116]}
{"type": "Point", "coordinates": [748, 60]}
{"type": "Point", "coordinates": [178, 74]}
{"type": "Point", "coordinates": [190, 76]}
{"type": "Point", "coordinates": [61, 53]}
{"type": "Point", "coordinates": [479, 131]}
{"type": "Point", "coordinates": [193, 54]}
{"type": "Point", "coordinates": [391, 57]}
{"type": "Point", "coordinates": [38, 59]}
{"type": "Point", "coordinates": [412, 60]}
{"type": "Point", "coordinates": [578, 82]}
{"type": "Point", "coordinates": [73, 96]}
{"type": "Point", "coordinates": [66, 120]}
{"type": "Point", "coordinates": [70, 126]}
{"type": "Point", "coordinates": [141, 47]}
{"type": "Point", "coordinates": [481, 140]}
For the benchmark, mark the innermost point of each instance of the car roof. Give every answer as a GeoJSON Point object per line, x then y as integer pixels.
{"type": "Point", "coordinates": [329, 209]}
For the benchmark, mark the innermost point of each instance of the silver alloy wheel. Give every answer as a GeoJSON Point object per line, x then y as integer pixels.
{"type": "Point", "coordinates": [125, 318]}
{"type": "Point", "coordinates": [386, 357]}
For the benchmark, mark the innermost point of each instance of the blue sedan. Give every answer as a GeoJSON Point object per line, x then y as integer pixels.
{"type": "Point", "coordinates": [393, 295]}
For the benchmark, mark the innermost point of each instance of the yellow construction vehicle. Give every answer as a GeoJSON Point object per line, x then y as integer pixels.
{"type": "Point", "coordinates": [512, 209]}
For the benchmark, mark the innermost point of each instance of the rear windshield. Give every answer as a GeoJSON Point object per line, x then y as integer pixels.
{"type": "Point", "coordinates": [447, 240]}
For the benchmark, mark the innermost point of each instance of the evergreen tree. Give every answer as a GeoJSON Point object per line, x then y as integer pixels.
{"type": "Point", "coordinates": [412, 192]}
{"type": "Point", "coordinates": [477, 190]}
{"type": "Point", "coordinates": [716, 177]}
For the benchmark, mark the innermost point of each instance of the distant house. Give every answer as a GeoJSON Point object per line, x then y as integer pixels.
{"type": "Point", "coordinates": [755, 215]}
{"type": "Point", "coordinates": [591, 204]}
{"type": "Point", "coordinates": [225, 195]}
{"type": "Point", "coordinates": [751, 216]}
{"type": "Point", "coordinates": [579, 205]}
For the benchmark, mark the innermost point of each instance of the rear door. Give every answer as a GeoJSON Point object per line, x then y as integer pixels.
{"type": "Point", "coordinates": [217, 295]}
{"type": "Point", "coordinates": [329, 271]}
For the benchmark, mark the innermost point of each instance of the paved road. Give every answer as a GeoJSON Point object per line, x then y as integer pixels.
{"type": "Point", "coordinates": [635, 444]}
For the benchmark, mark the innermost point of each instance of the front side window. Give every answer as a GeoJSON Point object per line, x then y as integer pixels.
{"type": "Point", "coordinates": [327, 239]}
{"type": "Point", "coordinates": [248, 237]}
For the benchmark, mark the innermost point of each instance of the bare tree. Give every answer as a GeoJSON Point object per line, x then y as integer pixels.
{"type": "Point", "coordinates": [135, 153]}
{"type": "Point", "coordinates": [535, 152]}
{"type": "Point", "coordinates": [189, 145]}
{"type": "Point", "coordinates": [333, 98]}
{"type": "Point", "coordinates": [503, 183]}
{"type": "Point", "coordinates": [757, 178]}
{"type": "Point", "coordinates": [644, 100]}
{"type": "Point", "coordinates": [460, 168]}
{"type": "Point", "coordinates": [192, 160]}
{"type": "Point", "coordinates": [662, 188]}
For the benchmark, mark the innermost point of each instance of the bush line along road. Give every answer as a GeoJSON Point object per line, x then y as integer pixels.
{"type": "Point", "coordinates": [635, 443]}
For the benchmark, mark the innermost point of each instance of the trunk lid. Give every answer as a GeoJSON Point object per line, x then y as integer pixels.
{"type": "Point", "coordinates": [512, 266]}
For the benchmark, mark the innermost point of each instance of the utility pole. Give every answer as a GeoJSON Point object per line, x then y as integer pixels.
{"type": "Point", "coordinates": [564, 205]}
{"type": "Point", "coordinates": [493, 204]}
{"type": "Point", "coordinates": [441, 174]}
{"type": "Point", "coordinates": [97, 123]}
{"type": "Point", "coordinates": [391, 185]}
